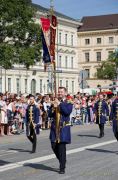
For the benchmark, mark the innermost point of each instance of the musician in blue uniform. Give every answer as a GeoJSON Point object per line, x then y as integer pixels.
{"type": "Point", "coordinates": [114, 117]}
{"type": "Point", "coordinates": [101, 113]}
{"type": "Point", "coordinates": [60, 134]}
{"type": "Point", "coordinates": [32, 122]}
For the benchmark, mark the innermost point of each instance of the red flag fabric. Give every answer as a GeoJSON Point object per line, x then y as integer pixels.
{"type": "Point", "coordinates": [45, 22]}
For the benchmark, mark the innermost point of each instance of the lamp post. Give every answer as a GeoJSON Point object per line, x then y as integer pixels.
{"type": "Point", "coordinates": [5, 80]}
{"type": "Point", "coordinates": [0, 78]}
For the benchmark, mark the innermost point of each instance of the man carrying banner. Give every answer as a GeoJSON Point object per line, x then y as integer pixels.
{"type": "Point", "coordinates": [60, 134]}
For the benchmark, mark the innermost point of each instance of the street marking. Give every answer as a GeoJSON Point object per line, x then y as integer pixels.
{"type": "Point", "coordinates": [7, 152]}
{"type": "Point", "coordinates": [51, 156]}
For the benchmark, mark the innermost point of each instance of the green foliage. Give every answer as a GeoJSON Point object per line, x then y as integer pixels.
{"type": "Point", "coordinates": [6, 55]}
{"type": "Point", "coordinates": [108, 69]}
{"type": "Point", "coordinates": [18, 33]}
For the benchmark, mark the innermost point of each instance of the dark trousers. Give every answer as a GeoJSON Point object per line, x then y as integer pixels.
{"type": "Point", "coordinates": [116, 135]}
{"type": "Point", "coordinates": [101, 127]}
{"type": "Point", "coordinates": [32, 138]}
{"type": "Point", "coordinates": [59, 150]}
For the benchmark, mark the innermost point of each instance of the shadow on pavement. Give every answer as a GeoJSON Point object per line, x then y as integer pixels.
{"type": "Point", "coordinates": [2, 163]}
{"type": "Point", "coordinates": [87, 135]}
{"type": "Point", "coordinates": [103, 151]}
{"type": "Point", "coordinates": [20, 150]}
{"type": "Point", "coordinates": [41, 167]}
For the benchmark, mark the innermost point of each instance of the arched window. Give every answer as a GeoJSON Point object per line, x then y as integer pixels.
{"type": "Point", "coordinates": [33, 86]}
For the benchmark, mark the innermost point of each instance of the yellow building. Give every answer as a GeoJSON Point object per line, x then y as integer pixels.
{"type": "Point", "coordinates": [97, 38]}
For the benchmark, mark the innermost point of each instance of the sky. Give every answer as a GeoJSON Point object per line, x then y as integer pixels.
{"type": "Point", "coordinates": [79, 8]}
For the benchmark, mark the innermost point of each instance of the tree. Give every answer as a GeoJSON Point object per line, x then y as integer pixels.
{"type": "Point", "coordinates": [109, 69]}
{"type": "Point", "coordinates": [20, 39]}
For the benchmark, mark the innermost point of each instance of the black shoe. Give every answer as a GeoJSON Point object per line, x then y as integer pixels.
{"type": "Point", "coordinates": [62, 171]}
{"type": "Point", "coordinates": [100, 136]}
{"type": "Point", "coordinates": [33, 150]}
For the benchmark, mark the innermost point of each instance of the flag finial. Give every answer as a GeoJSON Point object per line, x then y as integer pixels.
{"type": "Point", "coordinates": [52, 6]}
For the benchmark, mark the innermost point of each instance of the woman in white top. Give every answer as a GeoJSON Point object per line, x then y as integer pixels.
{"type": "Point", "coordinates": [3, 115]}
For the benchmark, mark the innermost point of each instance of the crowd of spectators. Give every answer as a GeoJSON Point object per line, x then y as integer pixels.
{"type": "Point", "coordinates": [13, 110]}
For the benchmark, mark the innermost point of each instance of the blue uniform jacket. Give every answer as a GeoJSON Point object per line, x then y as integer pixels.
{"type": "Point", "coordinates": [114, 115]}
{"type": "Point", "coordinates": [104, 112]}
{"type": "Point", "coordinates": [65, 134]}
{"type": "Point", "coordinates": [35, 114]}
{"type": "Point", "coordinates": [35, 118]}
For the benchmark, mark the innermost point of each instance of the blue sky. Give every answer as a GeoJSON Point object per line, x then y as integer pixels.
{"type": "Point", "coordinates": [79, 8]}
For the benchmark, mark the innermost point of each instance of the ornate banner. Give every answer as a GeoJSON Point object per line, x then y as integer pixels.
{"type": "Point", "coordinates": [53, 36]}
{"type": "Point", "coordinates": [45, 24]}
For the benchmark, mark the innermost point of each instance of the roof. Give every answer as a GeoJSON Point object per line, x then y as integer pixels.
{"type": "Point", "coordinates": [101, 22]}
{"type": "Point", "coordinates": [46, 10]}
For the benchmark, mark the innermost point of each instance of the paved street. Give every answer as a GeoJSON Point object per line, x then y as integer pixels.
{"type": "Point", "coordinates": [89, 158]}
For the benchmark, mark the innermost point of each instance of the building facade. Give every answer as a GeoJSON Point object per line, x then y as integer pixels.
{"type": "Point", "coordinates": [97, 38]}
{"type": "Point", "coordinates": [35, 80]}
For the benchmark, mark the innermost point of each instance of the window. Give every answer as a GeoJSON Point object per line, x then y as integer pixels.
{"type": "Point", "coordinates": [59, 63]}
{"type": "Point", "coordinates": [67, 85]}
{"type": "Point", "coordinates": [110, 40]}
{"type": "Point", "coordinates": [33, 86]}
{"type": "Point", "coordinates": [60, 83]}
{"type": "Point", "coordinates": [17, 85]}
{"type": "Point", "coordinates": [87, 41]}
{"type": "Point", "coordinates": [110, 52]}
{"type": "Point", "coordinates": [87, 57]}
{"type": "Point", "coordinates": [71, 40]}
{"type": "Point", "coordinates": [87, 73]}
{"type": "Point", "coordinates": [60, 38]}
{"type": "Point", "coordinates": [0, 84]}
{"type": "Point", "coordinates": [98, 40]}
{"type": "Point", "coordinates": [72, 62]}
{"type": "Point", "coordinates": [25, 85]}
{"type": "Point", "coordinates": [41, 86]}
{"type": "Point", "coordinates": [66, 62]}
{"type": "Point", "coordinates": [65, 39]}
{"type": "Point", "coordinates": [73, 87]}
{"type": "Point", "coordinates": [98, 56]}
{"type": "Point", "coordinates": [9, 84]}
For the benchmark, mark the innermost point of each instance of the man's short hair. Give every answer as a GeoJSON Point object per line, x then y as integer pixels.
{"type": "Point", "coordinates": [65, 89]}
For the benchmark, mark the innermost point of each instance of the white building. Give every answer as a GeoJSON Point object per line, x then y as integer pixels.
{"type": "Point", "coordinates": [97, 38]}
{"type": "Point", "coordinates": [35, 79]}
